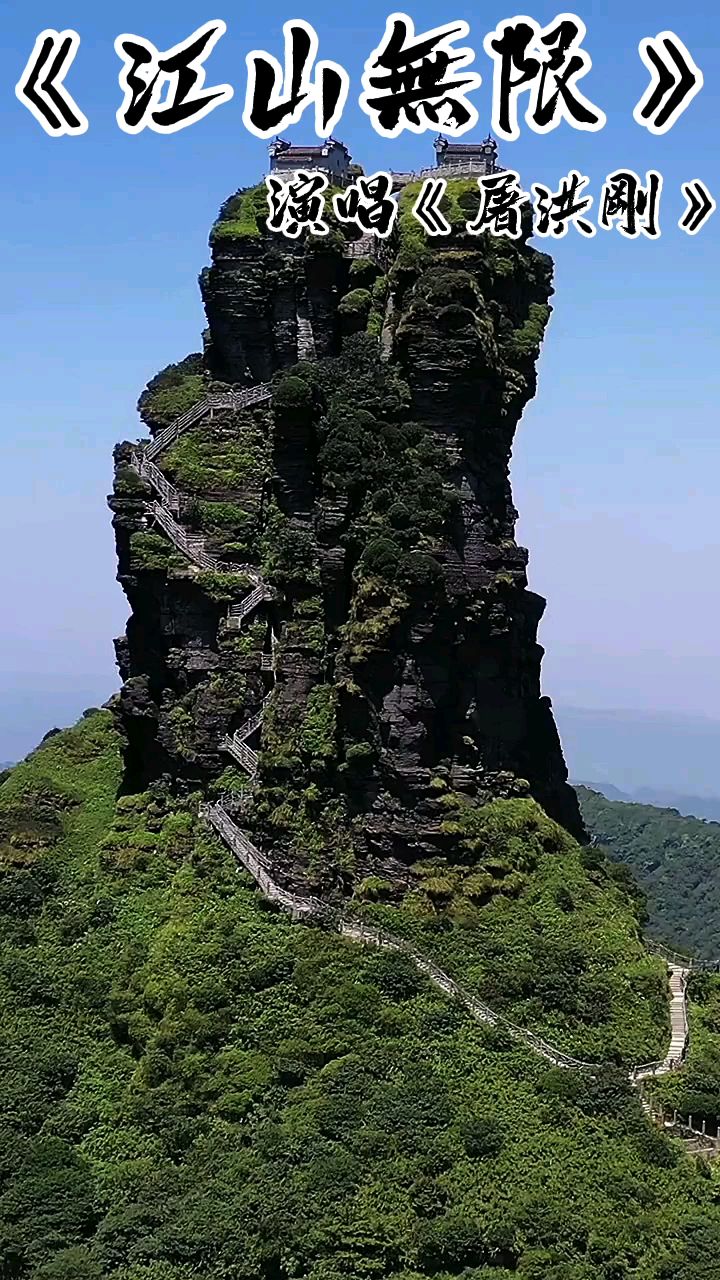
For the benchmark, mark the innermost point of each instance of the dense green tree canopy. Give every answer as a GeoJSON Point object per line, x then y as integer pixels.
{"type": "Point", "coordinates": [676, 861]}
{"type": "Point", "coordinates": [194, 1087]}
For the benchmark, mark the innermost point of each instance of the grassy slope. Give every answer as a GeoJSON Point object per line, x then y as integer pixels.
{"type": "Point", "coordinates": [193, 1086]}
{"type": "Point", "coordinates": [676, 861]}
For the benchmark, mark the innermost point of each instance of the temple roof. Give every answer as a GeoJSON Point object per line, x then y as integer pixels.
{"type": "Point", "coordinates": [464, 148]}
{"type": "Point", "coordinates": [281, 147]}
{"type": "Point", "coordinates": [459, 149]}
{"type": "Point", "coordinates": [302, 151]}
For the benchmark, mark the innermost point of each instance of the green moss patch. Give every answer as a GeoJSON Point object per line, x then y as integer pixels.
{"type": "Point", "coordinates": [242, 217]}
{"type": "Point", "coordinates": [172, 392]}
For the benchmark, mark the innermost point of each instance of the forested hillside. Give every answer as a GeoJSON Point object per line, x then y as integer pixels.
{"type": "Point", "coordinates": [676, 861]}
{"type": "Point", "coordinates": [193, 1086]}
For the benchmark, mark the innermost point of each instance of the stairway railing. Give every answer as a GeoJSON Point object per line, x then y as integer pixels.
{"type": "Point", "coordinates": [251, 725]}
{"type": "Point", "coordinates": [194, 547]}
{"type": "Point", "coordinates": [676, 958]}
{"type": "Point", "coordinates": [225, 400]}
{"type": "Point", "coordinates": [252, 860]}
{"type": "Point", "coordinates": [191, 545]}
{"type": "Point", "coordinates": [242, 753]}
{"type": "Point", "coordinates": [243, 607]}
{"type": "Point", "coordinates": [365, 247]}
{"type": "Point", "coordinates": [148, 471]}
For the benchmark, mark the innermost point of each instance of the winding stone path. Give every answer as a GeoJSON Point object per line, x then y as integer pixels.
{"type": "Point", "coordinates": [696, 1141]}
{"type": "Point", "coordinates": [164, 511]}
{"type": "Point", "coordinates": [242, 399]}
{"type": "Point", "coordinates": [308, 908]}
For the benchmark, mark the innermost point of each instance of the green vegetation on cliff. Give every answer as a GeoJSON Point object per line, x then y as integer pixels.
{"type": "Point", "coordinates": [193, 1087]}
{"type": "Point", "coordinates": [242, 216]}
{"type": "Point", "coordinates": [542, 930]}
{"type": "Point", "coordinates": [373, 494]}
{"type": "Point", "coordinates": [172, 392]}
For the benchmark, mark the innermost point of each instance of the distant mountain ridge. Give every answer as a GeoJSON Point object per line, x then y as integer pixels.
{"type": "Point", "coordinates": [705, 807]}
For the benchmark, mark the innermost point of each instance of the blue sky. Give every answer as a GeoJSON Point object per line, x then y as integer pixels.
{"type": "Point", "coordinates": [615, 470]}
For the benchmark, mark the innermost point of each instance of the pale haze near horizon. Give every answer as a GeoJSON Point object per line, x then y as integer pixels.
{"type": "Point", "coordinates": [615, 469]}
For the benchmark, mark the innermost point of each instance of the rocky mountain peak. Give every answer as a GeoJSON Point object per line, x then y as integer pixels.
{"type": "Point", "coordinates": [330, 614]}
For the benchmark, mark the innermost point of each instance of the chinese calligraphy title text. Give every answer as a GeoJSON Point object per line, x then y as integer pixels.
{"type": "Point", "coordinates": [297, 204]}
{"type": "Point", "coordinates": [411, 81]}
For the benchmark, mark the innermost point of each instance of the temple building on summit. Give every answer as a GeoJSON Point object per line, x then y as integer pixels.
{"type": "Point", "coordinates": [333, 158]}
{"type": "Point", "coordinates": [330, 157]}
{"type": "Point", "coordinates": [467, 157]}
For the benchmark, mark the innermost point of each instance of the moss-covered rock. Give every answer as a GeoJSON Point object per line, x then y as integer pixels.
{"type": "Point", "coordinates": [242, 216]}
{"type": "Point", "coordinates": [354, 310]}
{"type": "Point", "coordinates": [172, 392]}
{"type": "Point", "coordinates": [373, 495]}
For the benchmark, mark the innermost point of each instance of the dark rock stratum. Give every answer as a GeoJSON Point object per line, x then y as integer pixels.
{"type": "Point", "coordinates": [372, 492]}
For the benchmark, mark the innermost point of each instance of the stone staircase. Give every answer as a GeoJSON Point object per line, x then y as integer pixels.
{"type": "Point", "coordinates": [236, 745]}
{"type": "Point", "coordinates": [252, 860]}
{"type": "Point", "coordinates": [194, 548]}
{"type": "Point", "coordinates": [168, 494]}
{"type": "Point", "coordinates": [308, 908]}
{"type": "Point", "coordinates": [241, 753]}
{"type": "Point", "coordinates": [305, 335]}
{"type": "Point", "coordinates": [678, 1017]}
{"type": "Point", "coordinates": [679, 1033]}
{"type": "Point", "coordinates": [365, 247]}
{"type": "Point", "coordinates": [696, 1141]}
{"type": "Point", "coordinates": [370, 246]}
{"type": "Point", "coordinates": [227, 400]}
{"type": "Point", "coordinates": [192, 545]}
{"type": "Point", "coordinates": [253, 723]}
{"type": "Point", "coordinates": [237, 612]}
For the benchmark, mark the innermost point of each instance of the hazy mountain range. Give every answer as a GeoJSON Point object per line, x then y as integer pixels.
{"type": "Point", "coordinates": [706, 807]}
{"type": "Point", "coordinates": [659, 758]}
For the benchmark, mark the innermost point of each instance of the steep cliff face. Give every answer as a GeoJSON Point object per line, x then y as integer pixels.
{"type": "Point", "coordinates": [394, 657]}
